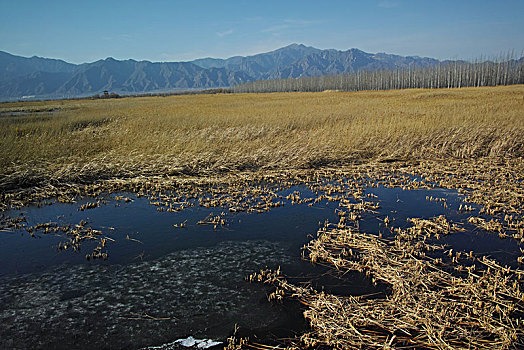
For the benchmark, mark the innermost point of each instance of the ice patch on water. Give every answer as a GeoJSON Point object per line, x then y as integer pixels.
{"type": "Point", "coordinates": [188, 342]}
{"type": "Point", "coordinates": [206, 344]}
{"type": "Point", "coordinates": [200, 343]}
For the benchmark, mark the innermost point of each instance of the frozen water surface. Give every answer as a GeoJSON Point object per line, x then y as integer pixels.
{"type": "Point", "coordinates": [199, 291]}
{"type": "Point", "coordinates": [167, 283]}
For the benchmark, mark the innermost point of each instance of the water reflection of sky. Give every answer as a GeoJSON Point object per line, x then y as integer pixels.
{"type": "Point", "coordinates": [192, 276]}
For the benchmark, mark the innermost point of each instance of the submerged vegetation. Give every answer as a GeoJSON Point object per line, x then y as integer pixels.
{"type": "Point", "coordinates": [220, 150]}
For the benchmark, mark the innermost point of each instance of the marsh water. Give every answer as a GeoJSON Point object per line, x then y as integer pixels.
{"type": "Point", "coordinates": [161, 283]}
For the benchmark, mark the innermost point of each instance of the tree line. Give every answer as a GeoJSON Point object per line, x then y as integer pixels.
{"type": "Point", "coordinates": [443, 75]}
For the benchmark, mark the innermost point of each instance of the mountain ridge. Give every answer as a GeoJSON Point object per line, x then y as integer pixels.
{"type": "Point", "coordinates": [53, 78]}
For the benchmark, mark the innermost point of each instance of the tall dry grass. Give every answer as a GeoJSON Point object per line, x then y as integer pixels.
{"type": "Point", "coordinates": [91, 139]}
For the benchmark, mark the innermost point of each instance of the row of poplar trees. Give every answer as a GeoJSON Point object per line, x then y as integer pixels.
{"type": "Point", "coordinates": [442, 75]}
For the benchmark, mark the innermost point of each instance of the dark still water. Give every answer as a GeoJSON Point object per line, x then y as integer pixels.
{"type": "Point", "coordinates": [161, 283]}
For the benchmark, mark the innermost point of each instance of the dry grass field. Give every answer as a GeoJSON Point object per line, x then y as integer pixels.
{"type": "Point", "coordinates": [86, 140]}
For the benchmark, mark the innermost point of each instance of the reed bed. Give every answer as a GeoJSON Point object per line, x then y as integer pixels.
{"type": "Point", "coordinates": [428, 307]}
{"type": "Point", "coordinates": [86, 141]}
{"type": "Point", "coordinates": [459, 302]}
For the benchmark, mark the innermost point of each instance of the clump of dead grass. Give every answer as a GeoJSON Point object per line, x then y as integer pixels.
{"type": "Point", "coordinates": [463, 303]}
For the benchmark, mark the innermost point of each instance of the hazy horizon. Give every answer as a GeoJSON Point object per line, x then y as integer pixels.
{"type": "Point", "coordinates": [166, 31]}
{"type": "Point", "coordinates": [494, 57]}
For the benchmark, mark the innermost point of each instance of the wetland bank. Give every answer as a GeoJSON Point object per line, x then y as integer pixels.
{"type": "Point", "coordinates": [134, 222]}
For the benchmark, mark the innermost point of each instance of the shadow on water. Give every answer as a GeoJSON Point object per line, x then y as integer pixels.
{"type": "Point", "coordinates": [166, 283]}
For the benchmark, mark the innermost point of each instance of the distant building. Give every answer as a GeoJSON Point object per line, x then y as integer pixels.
{"type": "Point", "coordinates": [106, 93]}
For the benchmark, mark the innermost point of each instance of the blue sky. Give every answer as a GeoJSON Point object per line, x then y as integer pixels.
{"type": "Point", "coordinates": [156, 30]}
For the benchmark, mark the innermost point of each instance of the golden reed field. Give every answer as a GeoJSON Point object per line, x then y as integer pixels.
{"type": "Point", "coordinates": [86, 140]}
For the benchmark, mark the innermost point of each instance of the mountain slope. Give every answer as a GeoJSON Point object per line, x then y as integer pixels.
{"type": "Point", "coordinates": [12, 66]}
{"type": "Point", "coordinates": [131, 76]}
{"type": "Point", "coordinates": [34, 84]}
{"type": "Point", "coordinates": [258, 66]}
{"type": "Point", "coordinates": [296, 60]}
{"type": "Point", "coordinates": [43, 78]}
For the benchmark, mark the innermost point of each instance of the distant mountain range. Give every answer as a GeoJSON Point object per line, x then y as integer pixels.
{"type": "Point", "coordinates": [38, 77]}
